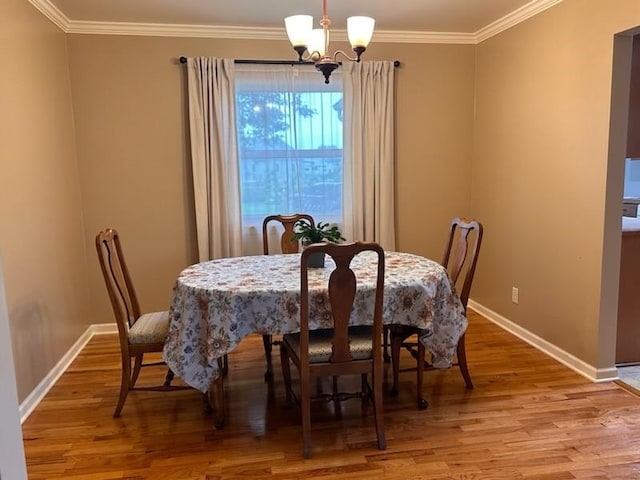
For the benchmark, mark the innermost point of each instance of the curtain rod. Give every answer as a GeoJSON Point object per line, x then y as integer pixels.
{"type": "Point", "coordinates": [396, 63]}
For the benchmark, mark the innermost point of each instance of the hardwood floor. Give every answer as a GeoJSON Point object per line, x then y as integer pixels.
{"type": "Point", "coordinates": [528, 417]}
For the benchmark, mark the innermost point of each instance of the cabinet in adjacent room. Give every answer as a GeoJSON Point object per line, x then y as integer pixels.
{"type": "Point", "coordinates": [633, 134]}
{"type": "Point", "coordinates": [628, 335]}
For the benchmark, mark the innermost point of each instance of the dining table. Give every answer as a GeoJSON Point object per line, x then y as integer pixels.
{"type": "Point", "coordinates": [217, 303]}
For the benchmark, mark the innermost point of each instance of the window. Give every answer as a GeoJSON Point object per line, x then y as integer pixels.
{"type": "Point", "coordinates": [290, 138]}
{"type": "Point", "coordinates": [271, 139]}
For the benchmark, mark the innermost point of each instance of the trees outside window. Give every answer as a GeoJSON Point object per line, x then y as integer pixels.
{"type": "Point", "coordinates": [290, 147]}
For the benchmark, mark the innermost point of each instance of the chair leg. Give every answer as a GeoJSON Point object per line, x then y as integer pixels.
{"type": "Point", "coordinates": [169, 377]}
{"type": "Point", "coordinates": [136, 369]}
{"type": "Point", "coordinates": [286, 372]}
{"type": "Point", "coordinates": [461, 353]}
{"type": "Point", "coordinates": [365, 388]}
{"type": "Point", "coordinates": [385, 344]}
{"type": "Point", "coordinates": [305, 407]}
{"type": "Point", "coordinates": [422, 403]}
{"type": "Point", "coordinates": [219, 422]}
{"type": "Point", "coordinates": [225, 365]}
{"type": "Point", "coordinates": [124, 384]}
{"type": "Point", "coordinates": [378, 411]}
{"type": "Point", "coordinates": [206, 403]}
{"type": "Point", "coordinates": [396, 345]}
{"type": "Point", "coordinates": [337, 404]}
{"type": "Point", "coordinates": [267, 340]}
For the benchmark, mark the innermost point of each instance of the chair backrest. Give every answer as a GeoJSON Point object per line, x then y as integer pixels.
{"type": "Point", "coordinates": [116, 276]}
{"type": "Point", "coordinates": [341, 292]}
{"type": "Point", "coordinates": [288, 222]}
{"type": "Point", "coordinates": [461, 254]}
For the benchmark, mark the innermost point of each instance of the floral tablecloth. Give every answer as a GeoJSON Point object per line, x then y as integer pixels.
{"type": "Point", "coordinates": [219, 302]}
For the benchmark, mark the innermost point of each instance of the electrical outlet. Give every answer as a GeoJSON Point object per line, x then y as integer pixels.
{"type": "Point", "coordinates": [514, 294]}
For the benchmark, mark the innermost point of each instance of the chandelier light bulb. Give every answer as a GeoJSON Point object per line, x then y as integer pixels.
{"type": "Point", "coordinates": [360, 31]}
{"type": "Point", "coordinates": [298, 29]}
{"type": "Point", "coordinates": [316, 45]}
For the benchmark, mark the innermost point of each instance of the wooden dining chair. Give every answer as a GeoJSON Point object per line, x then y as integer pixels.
{"type": "Point", "coordinates": [343, 349]}
{"type": "Point", "coordinates": [460, 259]}
{"type": "Point", "coordinates": [287, 245]}
{"type": "Point", "coordinates": [138, 333]}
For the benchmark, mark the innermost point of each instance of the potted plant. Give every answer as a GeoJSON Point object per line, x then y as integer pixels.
{"type": "Point", "coordinates": [322, 232]}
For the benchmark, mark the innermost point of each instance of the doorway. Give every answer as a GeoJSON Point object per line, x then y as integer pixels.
{"type": "Point", "coordinates": [621, 248]}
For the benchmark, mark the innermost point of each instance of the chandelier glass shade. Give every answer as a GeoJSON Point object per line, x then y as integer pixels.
{"type": "Point", "coordinates": [315, 42]}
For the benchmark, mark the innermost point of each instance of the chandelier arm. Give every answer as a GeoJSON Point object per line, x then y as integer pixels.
{"type": "Point", "coordinates": [315, 56]}
{"type": "Point", "coordinates": [307, 56]}
{"type": "Point", "coordinates": [346, 55]}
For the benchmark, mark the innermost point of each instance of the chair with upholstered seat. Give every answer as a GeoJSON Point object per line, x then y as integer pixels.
{"type": "Point", "coordinates": [343, 349]}
{"type": "Point", "coordinates": [287, 245]}
{"type": "Point", "coordinates": [460, 259]}
{"type": "Point", "coordinates": [138, 333]}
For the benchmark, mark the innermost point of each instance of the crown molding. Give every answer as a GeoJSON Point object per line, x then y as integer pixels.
{"type": "Point", "coordinates": [251, 33]}
{"type": "Point", "coordinates": [517, 16]}
{"type": "Point", "coordinates": [399, 36]}
{"type": "Point", "coordinates": [175, 30]}
{"type": "Point", "coordinates": [50, 11]}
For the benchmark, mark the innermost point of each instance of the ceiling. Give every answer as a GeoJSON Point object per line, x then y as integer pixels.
{"type": "Point", "coordinates": [394, 18]}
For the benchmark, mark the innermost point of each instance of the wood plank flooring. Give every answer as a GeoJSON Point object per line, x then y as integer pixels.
{"type": "Point", "coordinates": [528, 417]}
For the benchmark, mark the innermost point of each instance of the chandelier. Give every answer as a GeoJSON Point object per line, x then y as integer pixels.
{"type": "Point", "coordinates": [315, 42]}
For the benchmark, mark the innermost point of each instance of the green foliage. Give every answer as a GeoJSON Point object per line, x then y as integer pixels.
{"type": "Point", "coordinates": [321, 232]}
{"type": "Point", "coordinates": [263, 118]}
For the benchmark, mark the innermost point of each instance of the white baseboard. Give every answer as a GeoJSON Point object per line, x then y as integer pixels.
{"type": "Point", "coordinates": [35, 397]}
{"type": "Point", "coordinates": [589, 371]}
{"type": "Point", "coordinates": [103, 328]}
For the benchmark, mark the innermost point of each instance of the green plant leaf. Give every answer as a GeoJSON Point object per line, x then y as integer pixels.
{"type": "Point", "coordinates": [321, 232]}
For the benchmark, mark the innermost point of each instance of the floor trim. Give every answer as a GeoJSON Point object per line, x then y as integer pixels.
{"type": "Point", "coordinates": [574, 363]}
{"type": "Point", "coordinates": [589, 371]}
{"type": "Point", "coordinates": [29, 404]}
{"type": "Point", "coordinates": [628, 388]}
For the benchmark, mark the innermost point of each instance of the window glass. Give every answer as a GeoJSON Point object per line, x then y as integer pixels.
{"type": "Point", "coordinates": [290, 138]}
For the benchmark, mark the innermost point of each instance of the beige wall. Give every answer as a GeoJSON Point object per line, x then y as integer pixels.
{"type": "Point", "coordinates": [41, 238]}
{"type": "Point", "coordinates": [130, 110]}
{"type": "Point", "coordinates": [540, 163]}
{"type": "Point", "coordinates": [534, 167]}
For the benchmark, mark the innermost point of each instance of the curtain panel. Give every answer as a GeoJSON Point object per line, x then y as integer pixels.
{"type": "Point", "coordinates": [369, 138]}
{"type": "Point", "coordinates": [214, 157]}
